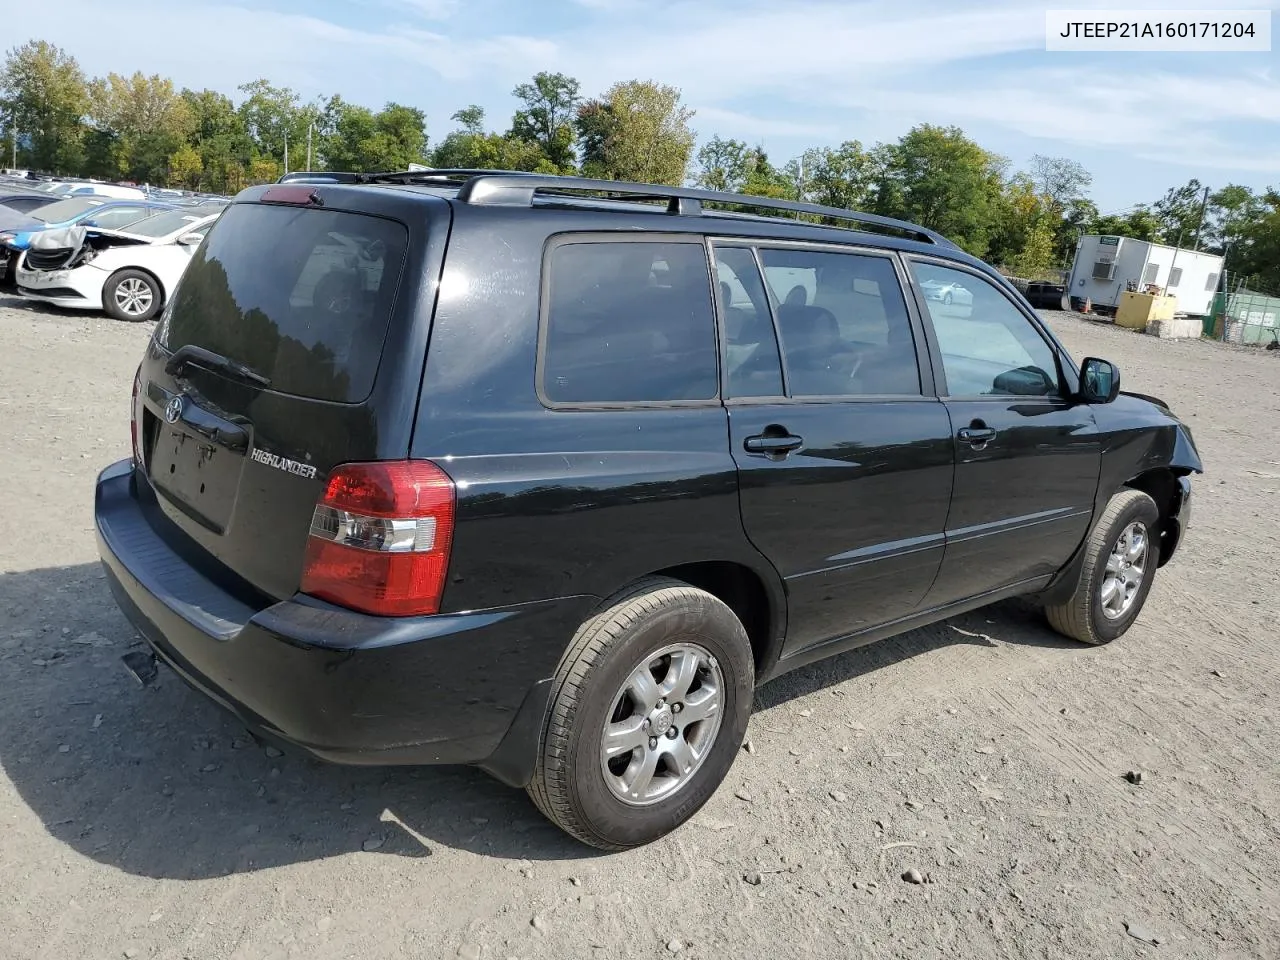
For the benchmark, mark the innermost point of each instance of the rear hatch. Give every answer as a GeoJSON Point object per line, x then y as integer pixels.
{"type": "Point", "coordinates": [292, 344]}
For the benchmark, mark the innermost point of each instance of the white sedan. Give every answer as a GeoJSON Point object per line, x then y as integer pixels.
{"type": "Point", "coordinates": [129, 273]}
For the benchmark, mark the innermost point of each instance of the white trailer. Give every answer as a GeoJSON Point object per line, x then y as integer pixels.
{"type": "Point", "coordinates": [1107, 266]}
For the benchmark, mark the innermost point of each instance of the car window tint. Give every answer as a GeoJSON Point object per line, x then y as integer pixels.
{"type": "Point", "coordinates": [629, 322]}
{"type": "Point", "coordinates": [988, 347]}
{"type": "Point", "coordinates": [844, 324]}
{"type": "Point", "coordinates": [752, 367]}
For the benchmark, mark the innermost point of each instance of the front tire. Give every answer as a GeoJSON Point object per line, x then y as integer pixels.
{"type": "Point", "coordinates": [1120, 565]}
{"type": "Point", "coordinates": [648, 709]}
{"type": "Point", "coordinates": [131, 295]}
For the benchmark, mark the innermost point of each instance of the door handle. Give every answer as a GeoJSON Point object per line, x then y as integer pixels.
{"type": "Point", "coordinates": [774, 446]}
{"type": "Point", "coordinates": [978, 436]}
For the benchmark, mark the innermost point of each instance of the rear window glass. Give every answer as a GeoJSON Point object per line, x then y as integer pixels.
{"type": "Point", "coordinates": [301, 296]}
{"type": "Point", "coordinates": [629, 322]}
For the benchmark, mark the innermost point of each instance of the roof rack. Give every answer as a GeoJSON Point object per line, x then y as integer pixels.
{"type": "Point", "coordinates": [492, 188]}
{"type": "Point", "coordinates": [447, 175]}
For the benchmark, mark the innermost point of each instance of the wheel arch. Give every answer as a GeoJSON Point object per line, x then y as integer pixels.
{"type": "Point", "coordinates": [759, 603]}
{"type": "Point", "coordinates": [1161, 485]}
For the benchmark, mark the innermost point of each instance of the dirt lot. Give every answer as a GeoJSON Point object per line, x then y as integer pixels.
{"type": "Point", "coordinates": [984, 752]}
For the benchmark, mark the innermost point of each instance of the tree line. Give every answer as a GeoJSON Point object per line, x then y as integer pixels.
{"type": "Point", "coordinates": [142, 128]}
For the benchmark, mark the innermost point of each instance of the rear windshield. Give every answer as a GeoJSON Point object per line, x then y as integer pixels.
{"type": "Point", "coordinates": [299, 295]}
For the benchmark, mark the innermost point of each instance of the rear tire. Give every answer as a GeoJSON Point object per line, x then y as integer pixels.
{"type": "Point", "coordinates": [1121, 556]}
{"type": "Point", "coordinates": [607, 727]}
{"type": "Point", "coordinates": [131, 295]}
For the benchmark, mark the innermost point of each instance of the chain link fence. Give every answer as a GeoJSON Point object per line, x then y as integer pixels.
{"type": "Point", "coordinates": [1241, 315]}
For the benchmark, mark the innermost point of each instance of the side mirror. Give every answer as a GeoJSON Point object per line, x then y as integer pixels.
{"type": "Point", "coordinates": [1099, 380]}
{"type": "Point", "coordinates": [191, 239]}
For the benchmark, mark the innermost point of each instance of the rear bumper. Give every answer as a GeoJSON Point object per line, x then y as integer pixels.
{"type": "Point", "coordinates": [346, 687]}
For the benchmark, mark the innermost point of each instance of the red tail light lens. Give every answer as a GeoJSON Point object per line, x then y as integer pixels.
{"type": "Point", "coordinates": [380, 538]}
{"type": "Point", "coordinates": [133, 416]}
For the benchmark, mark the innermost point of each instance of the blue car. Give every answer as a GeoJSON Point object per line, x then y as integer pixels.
{"type": "Point", "coordinates": [16, 230]}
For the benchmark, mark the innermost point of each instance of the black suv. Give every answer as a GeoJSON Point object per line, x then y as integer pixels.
{"type": "Point", "coordinates": [547, 474]}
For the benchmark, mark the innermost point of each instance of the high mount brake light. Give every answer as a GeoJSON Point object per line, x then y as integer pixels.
{"type": "Point", "coordinates": [380, 538]}
{"type": "Point", "coordinates": [303, 196]}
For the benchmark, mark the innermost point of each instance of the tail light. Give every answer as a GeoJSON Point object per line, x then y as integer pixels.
{"type": "Point", "coordinates": [380, 538]}
{"type": "Point", "coordinates": [133, 417]}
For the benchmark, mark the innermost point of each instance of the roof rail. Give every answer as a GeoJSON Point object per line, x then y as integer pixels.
{"type": "Point", "coordinates": [519, 189]}
{"type": "Point", "coordinates": [446, 174]}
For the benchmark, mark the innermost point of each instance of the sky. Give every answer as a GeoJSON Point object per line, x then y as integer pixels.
{"type": "Point", "coordinates": [786, 74]}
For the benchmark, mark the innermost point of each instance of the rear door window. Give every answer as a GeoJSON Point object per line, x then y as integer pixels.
{"type": "Point", "coordinates": [301, 296]}
{"type": "Point", "coordinates": [752, 365]}
{"type": "Point", "coordinates": [628, 322]}
{"type": "Point", "coordinates": [844, 324]}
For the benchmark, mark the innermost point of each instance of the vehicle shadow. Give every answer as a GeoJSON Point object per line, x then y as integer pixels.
{"type": "Point", "coordinates": [1011, 621]}
{"type": "Point", "coordinates": [161, 783]}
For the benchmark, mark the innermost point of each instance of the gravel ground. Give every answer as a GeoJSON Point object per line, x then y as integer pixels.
{"type": "Point", "coordinates": [985, 753]}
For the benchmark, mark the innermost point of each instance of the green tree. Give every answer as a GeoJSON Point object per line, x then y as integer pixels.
{"type": "Point", "coordinates": [1140, 222]}
{"type": "Point", "coordinates": [271, 115]}
{"type": "Point", "coordinates": [470, 148]}
{"type": "Point", "coordinates": [43, 96]}
{"type": "Point", "coordinates": [1022, 238]}
{"type": "Point", "coordinates": [1231, 210]}
{"type": "Point", "coordinates": [471, 118]}
{"type": "Point", "coordinates": [723, 165]}
{"type": "Point", "coordinates": [845, 176]}
{"type": "Point", "coordinates": [638, 130]}
{"type": "Point", "coordinates": [186, 169]}
{"type": "Point", "coordinates": [1255, 256]}
{"type": "Point", "coordinates": [1060, 180]}
{"type": "Point", "coordinates": [356, 138]}
{"type": "Point", "coordinates": [1179, 212]}
{"type": "Point", "coordinates": [218, 133]}
{"type": "Point", "coordinates": [146, 119]}
{"type": "Point", "coordinates": [939, 178]}
{"type": "Point", "coordinates": [1064, 185]}
{"type": "Point", "coordinates": [546, 119]}
{"type": "Point", "coordinates": [766, 180]}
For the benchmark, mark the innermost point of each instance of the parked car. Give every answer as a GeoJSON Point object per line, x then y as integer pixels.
{"type": "Point", "coordinates": [26, 202]}
{"type": "Point", "coordinates": [947, 292]}
{"type": "Point", "coordinates": [106, 190]}
{"type": "Point", "coordinates": [129, 273]}
{"type": "Point", "coordinates": [547, 474]}
{"type": "Point", "coordinates": [1047, 296]}
{"type": "Point", "coordinates": [86, 211]}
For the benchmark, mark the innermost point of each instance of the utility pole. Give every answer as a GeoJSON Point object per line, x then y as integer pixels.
{"type": "Point", "coordinates": [1204, 202]}
{"type": "Point", "coordinates": [286, 151]}
{"type": "Point", "coordinates": [310, 127]}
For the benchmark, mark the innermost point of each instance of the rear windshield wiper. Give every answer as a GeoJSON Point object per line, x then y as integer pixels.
{"type": "Point", "coordinates": [213, 361]}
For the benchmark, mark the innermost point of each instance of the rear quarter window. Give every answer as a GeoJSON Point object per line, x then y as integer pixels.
{"type": "Point", "coordinates": [299, 295]}
{"type": "Point", "coordinates": [628, 322]}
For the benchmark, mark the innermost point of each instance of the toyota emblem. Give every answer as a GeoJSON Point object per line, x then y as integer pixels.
{"type": "Point", "coordinates": [173, 410]}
